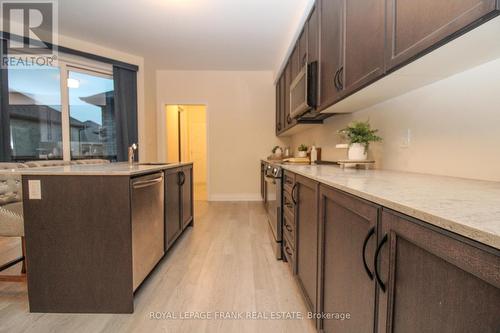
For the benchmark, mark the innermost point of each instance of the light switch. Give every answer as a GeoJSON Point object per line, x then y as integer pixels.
{"type": "Point", "coordinates": [35, 189]}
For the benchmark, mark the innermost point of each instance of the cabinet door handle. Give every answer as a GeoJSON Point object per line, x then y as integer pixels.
{"type": "Point", "coordinates": [288, 227]}
{"type": "Point", "coordinates": [335, 80]}
{"type": "Point", "coordinates": [341, 81]}
{"type": "Point", "coordinates": [365, 242]}
{"type": "Point", "coordinates": [377, 252]}
{"type": "Point", "coordinates": [287, 250]}
{"type": "Point", "coordinates": [293, 194]}
{"type": "Point", "coordinates": [182, 178]}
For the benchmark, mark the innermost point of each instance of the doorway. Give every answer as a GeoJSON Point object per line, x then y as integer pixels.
{"type": "Point", "coordinates": [186, 137]}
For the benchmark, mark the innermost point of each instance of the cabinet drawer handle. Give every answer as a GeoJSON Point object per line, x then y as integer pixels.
{"type": "Point", "coordinates": [377, 252]}
{"type": "Point", "coordinates": [293, 194]}
{"type": "Point", "coordinates": [365, 242]}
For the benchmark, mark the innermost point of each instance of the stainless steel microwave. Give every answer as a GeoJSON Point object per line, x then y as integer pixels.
{"type": "Point", "coordinates": [304, 90]}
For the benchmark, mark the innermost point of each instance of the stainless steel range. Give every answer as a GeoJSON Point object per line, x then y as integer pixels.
{"type": "Point", "coordinates": [273, 203]}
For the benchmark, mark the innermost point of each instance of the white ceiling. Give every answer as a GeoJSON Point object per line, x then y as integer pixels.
{"type": "Point", "coordinates": [189, 34]}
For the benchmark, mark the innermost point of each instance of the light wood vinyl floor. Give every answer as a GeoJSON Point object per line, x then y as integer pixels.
{"type": "Point", "coordinates": [224, 263]}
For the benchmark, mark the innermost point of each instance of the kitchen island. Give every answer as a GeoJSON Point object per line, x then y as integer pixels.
{"type": "Point", "coordinates": [95, 232]}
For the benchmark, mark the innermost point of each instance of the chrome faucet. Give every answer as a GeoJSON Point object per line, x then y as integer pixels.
{"type": "Point", "coordinates": [131, 153]}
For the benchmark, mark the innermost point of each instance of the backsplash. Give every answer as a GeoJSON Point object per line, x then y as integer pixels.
{"type": "Point", "coordinates": [453, 127]}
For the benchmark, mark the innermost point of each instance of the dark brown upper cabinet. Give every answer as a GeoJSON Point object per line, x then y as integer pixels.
{"type": "Point", "coordinates": [306, 220]}
{"type": "Point", "coordinates": [364, 44]}
{"type": "Point", "coordinates": [313, 36]}
{"type": "Point", "coordinates": [302, 48]}
{"type": "Point", "coordinates": [352, 47]}
{"type": "Point", "coordinates": [279, 123]}
{"type": "Point", "coordinates": [289, 121]}
{"type": "Point", "coordinates": [282, 110]}
{"type": "Point", "coordinates": [416, 26]}
{"type": "Point", "coordinates": [294, 62]}
{"type": "Point", "coordinates": [348, 238]}
{"type": "Point", "coordinates": [286, 98]}
{"type": "Point", "coordinates": [357, 42]}
{"type": "Point", "coordinates": [331, 50]}
{"type": "Point", "coordinates": [434, 281]}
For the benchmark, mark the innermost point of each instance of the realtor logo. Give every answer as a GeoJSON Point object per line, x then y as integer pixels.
{"type": "Point", "coordinates": [30, 30]}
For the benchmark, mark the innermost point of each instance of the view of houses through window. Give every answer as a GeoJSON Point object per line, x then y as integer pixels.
{"type": "Point", "coordinates": [39, 103]}
{"type": "Point", "coordinates": [35, 114]}
{"type": "Point", "coordinates": [91, 111]}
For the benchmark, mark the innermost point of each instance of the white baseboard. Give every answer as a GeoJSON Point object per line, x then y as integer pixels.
{"type": "Point", "coordinates": [235, 197]}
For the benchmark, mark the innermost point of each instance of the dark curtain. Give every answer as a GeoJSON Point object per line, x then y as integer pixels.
{"type": "Point", "coordinates": [5, 150]}
{"type": "Point", "coordinates": [125, 84]}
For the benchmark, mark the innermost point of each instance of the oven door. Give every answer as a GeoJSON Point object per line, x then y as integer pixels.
{"type": "Point", "coordinates": [273, 206]}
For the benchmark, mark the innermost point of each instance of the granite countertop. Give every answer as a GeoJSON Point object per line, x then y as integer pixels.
{"type": "Point", "coordinates": [108, 169]}
{"type": "Point", "coordinates": [470, 208]}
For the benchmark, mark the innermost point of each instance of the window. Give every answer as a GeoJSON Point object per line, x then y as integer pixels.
{"type": "Point", "coordinates": [51, 120]}
{"type": "Point", "coordinates": [35, 114]}
{"type": "Point", "coordinates": [92, 115]}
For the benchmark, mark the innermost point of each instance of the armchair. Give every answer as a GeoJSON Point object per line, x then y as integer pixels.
{"type": "Point", "coordinates": [11, 215]}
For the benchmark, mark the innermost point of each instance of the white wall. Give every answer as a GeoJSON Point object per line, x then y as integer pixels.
{"type": "Point", "coordinates": [240, 118]}
{"type": "Point", "coordinates": [454, 124]}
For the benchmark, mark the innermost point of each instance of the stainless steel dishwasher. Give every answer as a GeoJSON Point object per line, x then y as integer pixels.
{"type": "Point", "coordinates": [147, 200]}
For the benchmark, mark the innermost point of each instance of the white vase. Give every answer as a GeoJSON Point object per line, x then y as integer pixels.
{"type": "Point", "coordinates": [357, 152]}
{"type": "Point", "coordinates": [278, 152]}
{"type": "Point", "coordinates": [302, 154]}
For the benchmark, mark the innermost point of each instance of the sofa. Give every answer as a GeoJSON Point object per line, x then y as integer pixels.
{"type": "Point", "coordinates": [11, 205]}
{"type": "Point", "coordinates": [11, 209]}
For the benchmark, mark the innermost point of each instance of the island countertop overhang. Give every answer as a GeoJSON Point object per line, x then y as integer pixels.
{"type": "Point", "coordinates": [109, 169]}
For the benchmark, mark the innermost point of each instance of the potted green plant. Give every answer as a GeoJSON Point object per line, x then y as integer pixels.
{"type": "Point", "coordinates": [302, 150]}
{"type": "Point", "coordinates": [359, 134]}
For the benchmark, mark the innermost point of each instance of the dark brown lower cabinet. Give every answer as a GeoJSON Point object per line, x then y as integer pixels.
{"type": "Point", "coordinates": [386, 272]}
{"type": "Point", "coordinates": [187, 195]}
{"type": "Point", "coordinates": [435, 281]}
{"type": "Point", "coordinates": [306, 213]}
{"type": "Point", "coordinates": [178, 202]}
{"type": "Point", "coordinates": [348, 237]}
{"type": "Point", "coordinates": [172, 206]}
